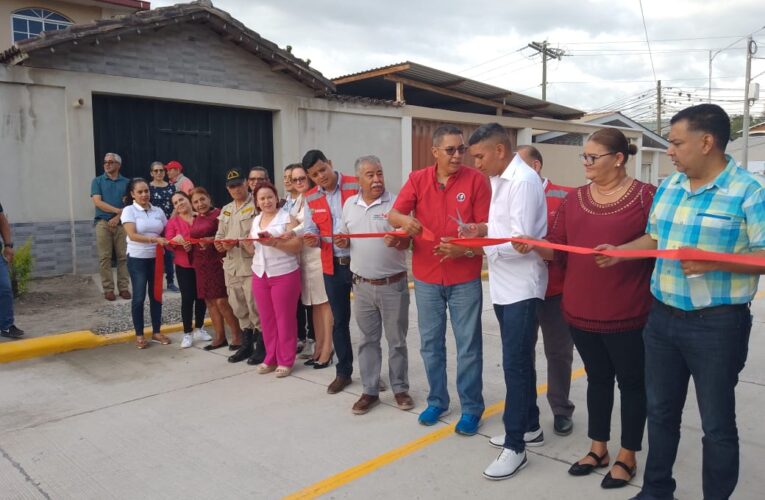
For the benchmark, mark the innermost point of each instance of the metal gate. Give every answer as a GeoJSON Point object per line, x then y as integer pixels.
{"type": "Point", "coordinates": [207, 140]}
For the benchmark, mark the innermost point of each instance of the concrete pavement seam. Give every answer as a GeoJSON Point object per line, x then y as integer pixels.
{"type": "Point", "coordinates": [16, 465]}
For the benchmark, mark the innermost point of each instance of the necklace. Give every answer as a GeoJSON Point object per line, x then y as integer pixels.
{"type": "Point", "coordinates": [611, 193]}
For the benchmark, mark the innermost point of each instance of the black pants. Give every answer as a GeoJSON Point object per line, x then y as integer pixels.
{"type": "Point", "coordinates": [338, 288]}
{"type": "Point", "coordinates": [607, 356]}
{"type": "Point", "coordinates": [305, 322]}
{"type": "Point", "coordinates": [190, 304]}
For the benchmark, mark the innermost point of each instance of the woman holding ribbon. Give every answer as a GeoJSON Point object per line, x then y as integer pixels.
{"type": "Point", "coordinates": [178, 232]}
{"type": "Point", "coordinates": [313, 293]}
{"type": "Point", "coordinates": [143, 223]}
{"type": "Point", "coordinates": [275, 280]}
{"type": "Point", "coordinates": [208, 268]}
{"type": "Point", "coordinates": [606, 308]}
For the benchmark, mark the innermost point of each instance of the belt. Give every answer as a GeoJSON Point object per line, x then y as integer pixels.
{"type": "Point", "coordinates": [700, 313]}
{"type": "Point", "coordinates": [382, 281]}
{"type": "Point", "coordinates": [342, 261]}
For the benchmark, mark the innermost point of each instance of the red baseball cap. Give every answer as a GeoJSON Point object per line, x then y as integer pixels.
{"type": "Point", "coordinates": [174, 164]}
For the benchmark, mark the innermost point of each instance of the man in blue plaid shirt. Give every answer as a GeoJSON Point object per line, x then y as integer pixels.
{"type": "Point", "coordinates": [699, 326]}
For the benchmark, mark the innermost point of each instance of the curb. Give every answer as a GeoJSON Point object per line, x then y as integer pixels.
{"type": "Point", "coordinates": [73, 341]}
{"type": "Point", "coordinates": [20, 350]}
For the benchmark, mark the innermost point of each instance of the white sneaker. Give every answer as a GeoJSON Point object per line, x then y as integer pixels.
{"type": "Point", "coordinates": [188, 339]}
{"type": "Point", "coordinates": [307, 351]}
{"type": "Point", "coordinates": [507, 464]}
{"type": "Point", "coordinates": [201, 334]}
{"type": "Point", "coordinates": [531, 438]}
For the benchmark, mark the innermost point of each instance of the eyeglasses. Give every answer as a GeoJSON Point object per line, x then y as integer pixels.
{"type": "Point", "coordinates": [109, 161]}
{"type": "Point", "coordinates": [257, 179]}
{"type": "Point", "coordinates": [590, 159]}
{"type": "Point", "coordinates": [158, 170]}
{"type": "Point", "coordinates": [451, 150]}
{"type": "Point", "coordinates": [299, 179]}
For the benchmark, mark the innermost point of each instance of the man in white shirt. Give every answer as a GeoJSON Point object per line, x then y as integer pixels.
{"type": "Point", "coordinates": [517, 285]}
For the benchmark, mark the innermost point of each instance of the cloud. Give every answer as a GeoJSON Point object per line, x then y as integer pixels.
{"type": "Point", "coordinates": [481, 39]}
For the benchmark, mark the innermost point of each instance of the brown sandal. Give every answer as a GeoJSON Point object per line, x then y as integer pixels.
{"type": "Point", "coordinates": [160, 338]}
{"type": "Point", "coordinates": [141, 343]}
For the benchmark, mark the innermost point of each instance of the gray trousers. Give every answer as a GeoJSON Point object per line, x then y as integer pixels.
{"type": "Point", "coordinates": [378, 307]}
{"type": "Point", "coordinates": [559, 351]}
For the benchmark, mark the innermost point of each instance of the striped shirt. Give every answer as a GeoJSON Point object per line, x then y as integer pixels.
{"type": "Point", "coordinates": [727, 215]}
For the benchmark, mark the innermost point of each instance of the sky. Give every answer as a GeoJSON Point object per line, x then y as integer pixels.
{"type": "Point", "coordinates": [607, 64]}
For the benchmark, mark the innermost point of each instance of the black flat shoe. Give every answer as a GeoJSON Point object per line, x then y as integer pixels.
{"type": "Point", "coordinates": [310, 362]}
{"type": "Point", "coordinates": [578, 469]}
{"type": "Point", "coordinates": [321, 366]}
{"type": "Point", "coordinates": [212, 347]}
{"type": "Point", "coordinates": [610, 483]}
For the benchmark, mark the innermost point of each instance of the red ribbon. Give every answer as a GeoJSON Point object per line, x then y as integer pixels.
{"type": "Point", "coordinates": [159, 272]}
{"type": "Point", "coordinates": [677, 254]}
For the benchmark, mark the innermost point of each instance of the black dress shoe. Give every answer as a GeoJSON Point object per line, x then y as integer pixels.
{"type": "Point", "coordinates": [321, 366]}
{"type": "Point", "coordinates": [578, 469]}
{"type": "Point", "coordinates": [563, 425]}
{"type": "Point", "coordinates": [212, 347]}
{"type": "Point", "coordinates": [310, 362]}
{"type": "Point", "coordinates": [234, 347]}
{"type": "Point", "coordinates": [609, 482]}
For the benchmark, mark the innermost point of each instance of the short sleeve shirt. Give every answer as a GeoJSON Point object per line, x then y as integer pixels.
{"type": "Point", "coordinates": [370, 257]}
{"type": "Point", "coordinates": [112, 191]}
{"type": "Point", "coordinates": [467, 193]}
{"type": "Point", "coordinates": [727, 215]}
{"type": "Point", "coordinates": [149, 222]}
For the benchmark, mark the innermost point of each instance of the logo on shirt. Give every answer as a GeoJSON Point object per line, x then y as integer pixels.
{"type": "Point", "coordinates": [461, 197]}
{"type": "Point", "coordinates": [226, 213]}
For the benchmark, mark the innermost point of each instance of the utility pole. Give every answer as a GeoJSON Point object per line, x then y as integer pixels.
{"type": "Point", "coordinates": [751, 49]}
{"type": "Point", "coordinates": [658, 107]}
{"type": "Point", "coordinates": [547, 53]}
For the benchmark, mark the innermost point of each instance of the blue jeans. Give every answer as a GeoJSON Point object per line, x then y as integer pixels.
{"type": "Point", "coordinates": [142, 279]}
{"type": "Point", "coordinates": [338, 287]}
{"type": "Point", "coordinates": [6, 296]}
{"type": "Point", "coordinates": [518, 329]}
{"type": "Point", "coordinates": [711, 346]}
{"type": "Point", "coordinates": [465, 302]}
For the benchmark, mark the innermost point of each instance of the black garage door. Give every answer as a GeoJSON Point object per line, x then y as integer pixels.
{"type": "Point", "coordinates": [207, 140]}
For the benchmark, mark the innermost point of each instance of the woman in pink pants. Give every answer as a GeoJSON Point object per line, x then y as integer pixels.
{"type": "Point", "coordinates": [275, 281]}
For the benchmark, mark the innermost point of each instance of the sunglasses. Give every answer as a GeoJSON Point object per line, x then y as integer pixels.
{"type": "Point", "coordinates": [451, 150]}
{"type": "Point", "coordinates": [299, 179]}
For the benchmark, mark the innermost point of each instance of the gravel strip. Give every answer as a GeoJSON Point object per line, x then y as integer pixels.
{"type": "Point", "coordinates": [117, 317]}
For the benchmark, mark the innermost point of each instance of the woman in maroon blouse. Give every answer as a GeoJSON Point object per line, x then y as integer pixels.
{"type": "Point", "coordinates": [606, 308]}
{"type": "Point", "coordinates": [208, 266]}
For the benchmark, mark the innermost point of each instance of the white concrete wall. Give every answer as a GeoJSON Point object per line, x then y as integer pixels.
{"type": "Point", "coordinates": [344, 137]}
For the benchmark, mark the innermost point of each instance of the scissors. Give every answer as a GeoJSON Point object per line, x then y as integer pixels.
{"type": "Point", "coordinates": [463, 226]}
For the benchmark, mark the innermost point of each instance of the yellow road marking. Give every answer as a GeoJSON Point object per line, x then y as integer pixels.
{"type": "Point", "coordinates": [357, 471]}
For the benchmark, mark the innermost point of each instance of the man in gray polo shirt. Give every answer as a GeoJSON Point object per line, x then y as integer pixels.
{"type": "Point", "coordinates": [379, 285]}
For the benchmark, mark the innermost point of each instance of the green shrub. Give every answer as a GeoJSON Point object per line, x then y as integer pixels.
{"type": "Point", "coordinates": [21, 268]}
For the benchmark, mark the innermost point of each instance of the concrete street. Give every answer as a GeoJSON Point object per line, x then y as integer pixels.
{"type": "Point", "coordinates": [115, 422]}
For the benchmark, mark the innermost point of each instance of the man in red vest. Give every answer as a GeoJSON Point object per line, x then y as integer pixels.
{"type": "Point", "coordinates": [559, 346]}
{"type": "Point", "coordinates": [325, 202]}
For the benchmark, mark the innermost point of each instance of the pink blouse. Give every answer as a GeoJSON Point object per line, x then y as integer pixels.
{"type": "Point", "coordinates": [175, 226]}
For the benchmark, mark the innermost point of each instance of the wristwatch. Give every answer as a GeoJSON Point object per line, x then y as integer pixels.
{"type": "Point", "coordinates": [470, 253]}
{"type": "Point", "coordinates": [9, 245]}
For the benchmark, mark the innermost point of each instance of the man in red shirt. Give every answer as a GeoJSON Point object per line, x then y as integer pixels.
{"type": "Point", "coordinates": [447, 275]}
{"type": "Point", "coordinates": [559, 346]}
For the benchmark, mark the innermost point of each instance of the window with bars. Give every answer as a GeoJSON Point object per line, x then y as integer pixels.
{"type": "Point", "coordinates": [27, 23]}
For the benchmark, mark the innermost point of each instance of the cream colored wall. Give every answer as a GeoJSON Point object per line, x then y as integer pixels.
{"type": "Point", "coordinates": [77, 13]}
{"type": "Point", "coordinates": [561, 164]}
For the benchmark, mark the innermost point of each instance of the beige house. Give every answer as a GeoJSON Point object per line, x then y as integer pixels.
{"type": "Point", "coordinates": [191, 83]}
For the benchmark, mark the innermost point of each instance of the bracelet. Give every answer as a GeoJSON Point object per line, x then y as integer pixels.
{"type": "Point", "coordinates": [8, 244]}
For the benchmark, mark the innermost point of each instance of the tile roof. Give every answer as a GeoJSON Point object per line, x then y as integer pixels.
{"type": "Point", "coordinates": [199, 11]}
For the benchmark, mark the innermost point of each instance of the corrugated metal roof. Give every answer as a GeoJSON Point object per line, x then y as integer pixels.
{"type": "Point", "coordinates": [454, 83]}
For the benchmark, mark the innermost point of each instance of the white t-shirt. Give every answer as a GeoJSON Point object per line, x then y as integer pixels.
{"type": "Point", "coordinates": [271, 260]}
{"type": "Point", "coordinates": [149, 222]}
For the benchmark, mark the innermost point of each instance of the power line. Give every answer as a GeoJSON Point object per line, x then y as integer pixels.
{"type": "Point", "coordinates": [647, 41]}
{"type": "Point", "coordinates": [491, 60]}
